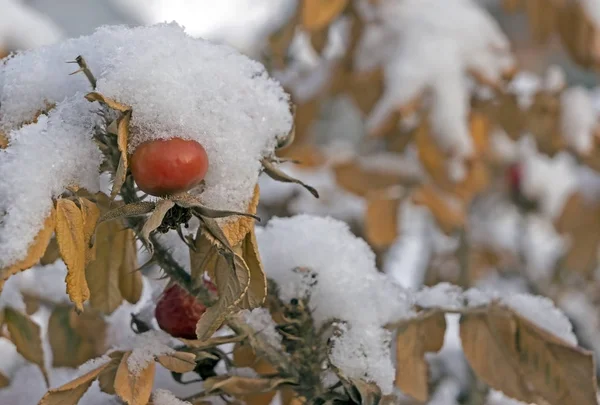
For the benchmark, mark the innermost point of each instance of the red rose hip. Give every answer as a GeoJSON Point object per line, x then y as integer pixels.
{"type": "Point", "coordinates": [177, 312]}
{"type": "Point", "coordinates": [163, 167]}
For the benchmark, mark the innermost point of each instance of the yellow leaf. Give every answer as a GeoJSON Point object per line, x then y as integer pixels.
{"type": "Point", "coordinates": [25, 334]}
{"type": "Point", "coordinates": [134, 388]}
{"type": "Point", "coordinates": [102, 274]}
{"type": "Point", "coordinates": [243, 356]}
{"type": "Point", "coordinates": [122, 141]}
{"type": "Point", "coordinates": [239, 386]}
{"type": "Point", "coordinates": [4, 381]}
{"type": "Point", "coordinates": [32, 303]}
{"type": "Point", "coordinates": [237, 229]}
{"type": "Point", "coordinates": [178, 362]}
{"type": "Point", "coordinates": [91, 214]}
{"type": "Point", "coordinates": [106, 379]}
{"type": "Point", "coordinates": [359, 180]}
{"type": "Point", "coordinates": [232, 285]}
{"type": "Point", "coordinates": [71, 243]}
{"type": "Point", "coordinates": [74, 343]}
{"type": "Point", "coordinates": [316, 14]}
{"type": "Point", "coordinates": [203, 258]}
{"type": "Point", "coordinates": [115, 105]}
{"type": "Point", "coordinates": [381, 219]}
{"type": "Point", "coordinates": [130, 279]}
{"type": "Point", "coordinates": [513, 355]}
{"type": "Point", "coordinates": [52, 253]}
{"type": "Point", "coordinates": [257, 291]}
{"type": "Point", "coordinates": [413, 340]}
{"type": "Point", "coordinates": [71, 392]}
{"type": "Point", "coordinates": [3, 140]}
{"type": "Point", "coordinates": [35, 251]}
{"type": "Point", "coordinates": [366, 88]}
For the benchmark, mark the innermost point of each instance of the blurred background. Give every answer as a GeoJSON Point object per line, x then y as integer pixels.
{"type": "Point", "coordinates": [460, 138]}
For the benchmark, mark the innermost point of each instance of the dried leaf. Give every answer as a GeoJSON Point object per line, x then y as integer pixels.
{"type": "Point", "coordinates": [120, 177]}
{"type": "Point", "coordinates": [91, 214]}
{"type": "Point", "coordinates": [129, 210]}
{"type": "Point", "coordinates": [354, 178]}
{"type": "Point", "coordinates": [280, 41]}
{"type": "Point", "coordinates": [71, 343]}
{"type": "Point", "coordinates": [232, 285]}
{"type": "Point", "coordinates": [115, 105]}
{"type": "Point", "coordinates": [25, 334]}
{"type": "Point", "coordinates": [130, 279]}
{"type": "Point", "coordinates": [203, 259]}
{"type": "Point", "coordinates": [515, 356]}
{"type": "Point", "coordinates": [134, 388]}
{"type": "Point", "coordinates": [106, 379]}
{"type": "Point", "coordinates": [277, 175]}
{"type": "Point", "coordinates": [212, 342]}
{"type": "Point", "coordinates": [214, 231]}
{"type": "Point", "coordinates": [239, 386]}
{"type": "Point", "coordinates": [122, 139]}
{"type": "Point", "coordinates": [52, 253]}
{"type": "Point", "coordinates": [178, 362]}
{"type": "Point", "coordinates": [71, 242]}
{"type": "Point", "coordinates": [257, 291]}
{"type": "Point", "coordinates": [366, 88]}
{"type": "Point", "coordinates": [32, 304]}
{"type": "Point", "coordinates": [35, 251]}
{"type": "Point", "coordinates": [71, 392]}
{"type": "Point", "coordinates": [187, 200]}
{"type": "Point", "coordinates": [4, 381]}
{"type": "Point", "coordinates": [102, 274]}
{"type": "Point", "coordinates": [316, 14]}
{"type": "Point", "coordinates": [448, 217]}
{"type": "Point", "coordinates": [413, 340]}
{"type": "Point", "coordinates": [155, 220]}
{"type": "Point", "coordinates": [243, 356]}
{"type": "Point", "coordinates": [3, 140]}
{"type": "Point", "coordinates": [236, 230]}
{"type": "Point", "coordinates": [381, 219]}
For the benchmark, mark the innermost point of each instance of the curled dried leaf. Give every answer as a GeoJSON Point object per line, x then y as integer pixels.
{"type": "Point", "coordinates": [238, 386]}
{"type": "Point", "coordinates": [73, 391]}
{"type": "Point", "coordinates": [134, 388]}
{"type": "Point", "coordinates": [155, 220]}
{"type": "Point", "coordinates": [236, 231]}
{"type": "Point", "coordinates": [316, 14]}
{"type": "Point", "coordinates": [106, 379]}
{"type": "Point", "coordinates": [115, 105]}
{"type": "Point", "coordinates": [91, 214]}
{"type": "Point", "coordinates": [130, 210]}
{"type": "Point", "coordinates": [178, 362]}
{"type": "Point", "coordinates": [187, 200]}
{"type": "Point", "coordinates": [273, 172]}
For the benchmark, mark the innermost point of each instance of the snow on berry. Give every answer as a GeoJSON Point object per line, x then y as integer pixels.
{"type": "Point", "coordinates": [177, 86]}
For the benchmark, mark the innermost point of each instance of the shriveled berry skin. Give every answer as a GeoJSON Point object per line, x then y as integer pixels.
{"type": "Point", "coordinates": [163, 167]}
{"type": "Point", "coordinates": [177, 312]}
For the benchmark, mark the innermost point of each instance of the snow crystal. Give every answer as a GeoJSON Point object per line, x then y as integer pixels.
{"type": "Point", "coordinates": [346, 286]}
{"type": "Point", "coordinates": [498, 398]}
{"type": "Point", "coordinates": [578, 119]}
{"type": "Point", "coordinates": [164, 397]}
{"type": "Point", "coordinates": [176, 85]}
{"type": "Point", "coordinates": [145, 347]}
{"type": "Point", "coordinates": [364, 352]}
{"type": "Point", "coordinates": [261, 321]}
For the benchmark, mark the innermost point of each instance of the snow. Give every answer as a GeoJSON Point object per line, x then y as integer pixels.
{"type": "Point", "coordinates": [444, 295]}
{"type": "Point", "coordinates": [346, 287]}
{"type": "Point", "coordinates": [164, 397]}
{"type": "Point", "coordinates": [145, 347]}
{"type": "Point", "coordinates": [260, 320]}
{"type": "Point", "coordinates": [176, 85]}
{"type": "Point", "coordinates": [578, 119]}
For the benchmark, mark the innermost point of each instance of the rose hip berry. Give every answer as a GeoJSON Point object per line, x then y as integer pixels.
{"type": "Point", "coordinates": [177, 312]}
{"type": "Point", "coordinates": [163, 167]}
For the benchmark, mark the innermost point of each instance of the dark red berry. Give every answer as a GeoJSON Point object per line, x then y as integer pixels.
{"type": "Point", "coordinates": [177, 312]}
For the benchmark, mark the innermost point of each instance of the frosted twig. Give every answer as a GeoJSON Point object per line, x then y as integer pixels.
{"type": "Point", "coordinates": [83, 67]}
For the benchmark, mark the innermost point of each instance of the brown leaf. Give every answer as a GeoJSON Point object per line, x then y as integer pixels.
{"type": "Point", "coordinates": [115, 105]}
{"type": "Point", "coordinates": [155, 220]}
{"type": "Point", "coordinates": [239, 386]}
{"type": "Point", "coordinates": [106, 379]}
{"type": "Point", "coordinates": [257, 290]}
{"type": "Point", "coordinates": [515, 356]}
{"type": "Point", "coordinates": [52, 253]}
{"type": "Point", "coordinates": [178, 362]}
{"type": "Point", "coordinates": [273, 172]}
{"type": "Point", "coordinates": [35, 251]}
{"type": "Point", "coordinates": [414, 339]}
{"type": "Point", "coordinates": [122, 139]}
{"type": "Point", "coordinates": [130, 279]}
{"type": "Point", "coordinates": [91, 214]}
{"type": "Point", "coordinates": [4, 381]}
{"type": "Point", "coordinates": [203, 259]}
{"type": "Point", "coordinates": [71, 242]}
{"type": "Point", "coordinates": [280, 41]}
{"type": "Point", "coordinates": [25, 334]}
{"type": "Point", "coordinates": [243, 356]}
{"type": "Point", "coordinates": [3, 140]}
{"type": "Point", "coordinates": [316, 14]}
{"type": "Point", "coordinates": [356, 179]}
{"type": "Point", "coordinates": [448, 217]}
{"type": "Point", "coordinates": [134, 389]}
{"type": "Point", "coordinates": [381, 219]}
{"type": "Point", "coordinates": [32, 304]}
{"type": "Point", "coordinates": [73, 344]}
{"type": "Point", "coordinates": [237, 229]}
{"type": "Point", "coordinates": [366, 88]}
{"type": "Point", "coordinates": [71, 392]}
{"type": "Point", "coordinates": [232, 286]}
{"type": "Point", "coordinates": [187, 200]}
